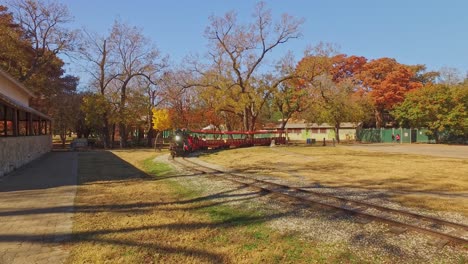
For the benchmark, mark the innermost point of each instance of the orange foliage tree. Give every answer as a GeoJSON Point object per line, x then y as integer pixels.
{"type": "Point", "coordinates": [386, 82]}
{"type": "Point", "coordinates": [346, 68]}
{"type": "Point", "coordinates": [332, 82]}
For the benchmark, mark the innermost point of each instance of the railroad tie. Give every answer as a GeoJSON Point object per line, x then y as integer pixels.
{"type": "Point", "coordinates": [438, 242]}
{"type": "Point", "coordinates": [363, 220]}
{"type": "Point", "coordinates": [398, 230]}
{"type": "Point", "coordinates": [459, 233]}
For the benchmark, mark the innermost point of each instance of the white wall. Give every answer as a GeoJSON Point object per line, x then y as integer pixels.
{"type": "Point", "coordinates": [345, 134]}
{"type": "Point", "coordinates": [10, 89]}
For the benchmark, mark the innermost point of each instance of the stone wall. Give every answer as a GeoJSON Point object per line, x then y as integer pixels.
{"type": "Point", "coordinates": [17, 151]}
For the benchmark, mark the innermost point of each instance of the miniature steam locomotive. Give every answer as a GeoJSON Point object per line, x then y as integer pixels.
{"type": "Point", "coordinates": [184, 142]}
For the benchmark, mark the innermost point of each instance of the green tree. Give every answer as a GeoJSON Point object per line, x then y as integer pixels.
{"type": "Point", "coordinates": [336, 103]}
{"type": "Point", "coordinates": [94, 106]}
{"type": "Point", "coordinates": [66, 114]}
{"type": "Point", "coordinates": [440, 108]}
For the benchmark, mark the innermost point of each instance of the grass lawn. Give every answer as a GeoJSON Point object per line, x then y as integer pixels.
{"type": "Point", "coordinates": [414, 180]}
{"type": "Point", "coordinates": [130, 209]}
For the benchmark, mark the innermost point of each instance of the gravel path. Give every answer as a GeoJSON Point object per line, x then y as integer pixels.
{"type": "Point", "coordinates": [371, 241]}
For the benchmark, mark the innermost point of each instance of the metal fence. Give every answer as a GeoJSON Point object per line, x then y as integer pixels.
{"type": "Point", "coordinates": [390, 135]}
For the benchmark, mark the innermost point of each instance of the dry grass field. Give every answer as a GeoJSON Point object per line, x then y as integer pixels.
{"type": "Point", "coordinates": [413, 180]}
{"type": "Point", "coordinates": [130, 209]}
{"type": "Point", "coordinates": [133, 208]}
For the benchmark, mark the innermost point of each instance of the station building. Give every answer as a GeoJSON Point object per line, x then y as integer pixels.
{"type": "Point", "coordinates": [25, 133]}
{"type": "Point", "coordinates": [300, 130]}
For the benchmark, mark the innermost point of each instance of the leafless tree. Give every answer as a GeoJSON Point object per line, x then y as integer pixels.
{"type": "Point", "coordinates": [237, 52]}
{"type": "Point", "coordinates": [99, 61]}
{"type": "Point", "coordinates": [136, 58]}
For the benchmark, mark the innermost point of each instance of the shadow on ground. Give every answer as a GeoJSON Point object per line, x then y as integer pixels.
{"type": "Point", "coordinates": [104, 167]}
{"type": "Point", "coordinates": [53, 169]}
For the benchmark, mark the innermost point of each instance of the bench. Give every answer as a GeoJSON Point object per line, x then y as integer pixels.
{"type": "Point", "coordinates": [79, 143]}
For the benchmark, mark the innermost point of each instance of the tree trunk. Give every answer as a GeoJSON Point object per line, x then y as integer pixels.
{"type": "Point", "coordinates": [122, 126]}
{"type": "Point", "coordinates": [283, 125]}
{"type": "Point", "coordinates": [150, 133]}
{"type": "Point", "coordinates": [436, 136]}
{"type": "Point", "coordinates": [150, 136]}
{"type": "Point", "coordinates": [113, 135]}
{"type": "Point", "coordinates": [105, 131]}
{"type": "Point", "coordinates": [253, 122]}
{"type": "Point", "coordinates": [337, 132]}
{"type": "Point", "coordinates": [245, 119]}
{"type": "Point", "coordinates": [378, 118]}
{"type": "Point", "coordinates": [156, 141]}
{"type": "Point", "coordinates": [63, 138]}
{"type": "Point", "coordinates": [123, 135]}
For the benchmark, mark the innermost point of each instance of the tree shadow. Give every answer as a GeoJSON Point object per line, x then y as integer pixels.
{"type": "Point", "coordinates": [106, 236]}
{"type": "Point", "coordinates": [107, 168]}
{"type": "Point", "coordinates": [210, 201]}
{"type": "Point", "coordinates": [53, 169]}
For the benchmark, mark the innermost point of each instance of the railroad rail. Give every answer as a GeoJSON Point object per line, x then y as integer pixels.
{"type": "Point", "coordinates": [446, 230]}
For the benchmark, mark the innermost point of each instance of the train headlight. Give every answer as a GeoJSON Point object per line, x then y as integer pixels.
{"type": "Point", "coordinates": [177, 138]}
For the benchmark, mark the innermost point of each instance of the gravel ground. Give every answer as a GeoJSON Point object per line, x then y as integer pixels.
{"type": "Point", "coordinates": [329, 229]}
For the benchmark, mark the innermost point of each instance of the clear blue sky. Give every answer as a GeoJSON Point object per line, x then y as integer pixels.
{"type": "Point", "coordinates": [428, 32]}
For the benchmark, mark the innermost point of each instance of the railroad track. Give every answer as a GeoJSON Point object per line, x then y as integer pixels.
{"type": "Point", "coordinates": [400, 220]}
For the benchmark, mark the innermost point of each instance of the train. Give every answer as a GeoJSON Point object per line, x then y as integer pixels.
{"type": "Point", "coordinates": [184, 142]}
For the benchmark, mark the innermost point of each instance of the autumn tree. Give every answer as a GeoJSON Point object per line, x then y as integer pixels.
{"type": "Point", "coordinates": [136, 58]}
{"type": "Point", "coordinates": [177, 98]}
{"type": "Point", "coordinates": [155, 94]}
{"type": "Point", "coordinates": [44, 26]}
{"type": "Point", "coordinates": [13, 44]}
{"type": "Point", "coordinates": [317, 61]}
{"type": "Point", "coordinates": [238, 51]}
{"type": "Point", "coordinates": [423, 76]}
{"type": "Point", "coordinates": [331, 81]}
{"type": "Point", "coordinates": [336, 103]}
{"type": "Point", "coordinates": [66, 112]}
{"type": "Point", "coordinates": [124, 67]}
{"type": "Point", "coordinates": [34, 36]}
{"type": "Point", "coordinates": [94, 106]}
{"type": "Point", "coordinates": [386, 82]}
{"type": "Point", "coordinates": [31, 38]}
{"type": "Point", "coordinates": [161, 122]}
{"type": "Point", "coordinates": [449, 76]}
{"type": "Point", "coordinates": [99, 62]}
{"type": "Point", "coordinates": [291, 96]}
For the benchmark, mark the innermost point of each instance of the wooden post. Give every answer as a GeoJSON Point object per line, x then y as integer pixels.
{"type": "Point", "coordinates": [5, 123]}
{"type": "Point", "coordinates": [15, 122]}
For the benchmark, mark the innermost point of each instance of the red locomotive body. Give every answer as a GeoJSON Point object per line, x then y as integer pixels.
{"type": "Point", "coordinates": [186, 142]}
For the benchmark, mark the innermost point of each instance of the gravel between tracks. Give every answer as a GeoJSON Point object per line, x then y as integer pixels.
{"type": "Point", "coordinates": [329, 229]}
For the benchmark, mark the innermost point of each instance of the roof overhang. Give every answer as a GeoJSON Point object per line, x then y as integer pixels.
{"type": "Point", "coordinates": [15, 104]}
{"type": "Point", "coordinates": [17, 83]}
